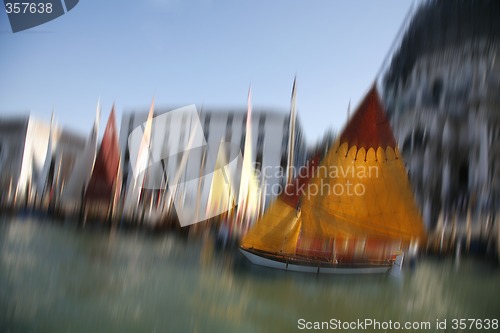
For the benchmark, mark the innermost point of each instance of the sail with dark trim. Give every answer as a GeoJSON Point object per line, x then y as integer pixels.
{"type": "Point", "coordinates": [364, 190]}
{"type": "Point", "coordinates": [356, 205]}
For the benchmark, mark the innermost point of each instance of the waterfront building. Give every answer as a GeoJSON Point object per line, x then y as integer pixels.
{"type": "Point", "coordinates": [270, 141]}
{"type": "Point", "coordinates": [24, 142]}
{"type": "Point", "coordinates": [441, 94]}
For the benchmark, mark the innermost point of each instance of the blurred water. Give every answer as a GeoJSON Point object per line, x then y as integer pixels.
{"type": "Point", "coordinates": [59, 278]}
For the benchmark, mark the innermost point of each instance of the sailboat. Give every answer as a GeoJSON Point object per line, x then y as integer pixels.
{"type": "Point", "coordinates": [328, 229]}
{"type": "Point", "coordinates": [221, 198]}
{"type": "Point", "coordinates": [44, 184]}
{"type": "Point", "coordinates": [141, 158]}
{"type": "Point", "coordinates": [249, 191]}
{"type": "Point", "coordinates": [74, 189]}
{"type": "Point", "coordinates": [105, 182]}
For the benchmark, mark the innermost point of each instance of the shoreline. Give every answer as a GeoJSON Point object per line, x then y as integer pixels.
{"type": "Point", "coordinates": [476, 248]}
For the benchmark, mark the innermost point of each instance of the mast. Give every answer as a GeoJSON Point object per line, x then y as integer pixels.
{"type": "Point", "coordinates": [248, 192]}
{"type": "Point", "coordinates": [178, 187]}
{"type": "Point", "coordinates": [200, 176]}
{"type": "Point", "coordinates": [291, 134]}
{"type": "Point", "coordinates": [397, 39]}
{"type": "Point", "coordinates": [164, 199]}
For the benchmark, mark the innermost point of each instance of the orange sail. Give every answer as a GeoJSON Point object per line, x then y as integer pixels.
{"type": "Point", "coordinates": [356, 206]}
{"type": "Point", "coordinates": [279, 229]}
{"type": "Point", "coordinates": [361, 188]}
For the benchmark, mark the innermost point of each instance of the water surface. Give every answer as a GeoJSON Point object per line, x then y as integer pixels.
{"type": "Point", "coordinates": [61, 278]}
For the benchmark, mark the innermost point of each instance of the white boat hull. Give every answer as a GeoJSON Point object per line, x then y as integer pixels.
{"type": "Point", "coordinates": [311, 268]}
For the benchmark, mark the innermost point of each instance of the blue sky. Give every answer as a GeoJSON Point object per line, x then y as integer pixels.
{"type": "Point", "coordinates": [198, 51]}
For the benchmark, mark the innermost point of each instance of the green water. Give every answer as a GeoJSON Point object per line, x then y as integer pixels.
{"type": "Point", "coordinates": [60, 278]}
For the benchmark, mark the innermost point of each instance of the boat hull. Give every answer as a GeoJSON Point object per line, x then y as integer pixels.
{"type": "Point", "coordinates": [312, 267]}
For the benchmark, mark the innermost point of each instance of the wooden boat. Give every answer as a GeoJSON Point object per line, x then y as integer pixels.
{"type": "Point", "coordinates": [339, 232]}
{"type": "Point", "coordinates": [308, 265]}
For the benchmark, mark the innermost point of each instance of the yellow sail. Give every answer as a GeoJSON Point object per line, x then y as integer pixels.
{"type": "Point", "coordinates": [221, 197]}
{"type": "Point", "coordinates": [361, 189]}
{"type": "Point", "coordinates": [358, 199]}
{"type": "Point", "coordinates": [277, 231]}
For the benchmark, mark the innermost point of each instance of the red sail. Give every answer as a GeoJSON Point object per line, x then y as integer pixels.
{"type": "Point", "coordinates": [105, 183]}
{"type": "Point", "coordinates": [369, 126]}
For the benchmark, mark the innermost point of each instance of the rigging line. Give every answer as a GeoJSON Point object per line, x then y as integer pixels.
{"type": "Point", "coordinates": [397, 39]}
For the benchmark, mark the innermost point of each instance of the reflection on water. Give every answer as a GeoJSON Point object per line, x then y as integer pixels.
{"type": "Point", "coordinates": [58, 278]}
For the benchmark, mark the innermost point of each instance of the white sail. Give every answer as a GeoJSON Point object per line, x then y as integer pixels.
{"type": "Point", "coordinates": [248, 198]}
{"type": "Point", "coordinates": [141, 163]}
{"type": "Point", "coordinates": [180, 188]}
{"type": "Point", "coordinates": [44, 174]}
{"type": "Point", "coordinates": [79, 178]}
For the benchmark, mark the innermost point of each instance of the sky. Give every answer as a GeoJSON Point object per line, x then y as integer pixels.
{"type": "Point", "coordinates": [198, 52]}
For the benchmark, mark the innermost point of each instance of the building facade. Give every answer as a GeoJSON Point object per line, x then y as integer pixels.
{"type": "Point", "coordinates": [442, 97]}
{"type": "Point", "coordinates": [23, 152]}
{"type": "Point", "coordinates": [270, 140]}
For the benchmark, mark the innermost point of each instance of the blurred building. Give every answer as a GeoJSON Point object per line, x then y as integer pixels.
{"type": "Point", "coordinates": [270, 140]}
{"type": "Point", "coordinates": [23, 153]}
{"type": "Point", "coordinates": [442, 96]}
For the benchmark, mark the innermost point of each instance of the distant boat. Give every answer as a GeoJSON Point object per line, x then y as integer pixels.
{"type": "Point", "coordinates": [249, 190]}
{"type": "Point", "coordinates": [336, 231]}
{"type": "Point", "coordinates": [221, 198]}
{"type": "Point", "coordinates": [45, 178]}
{"type": "Point", "coordinates": [104, 186]}
{"type": "Point", "coordinates": [74, 189]}
{"type": "Point", "coordinates": [140, 160]}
